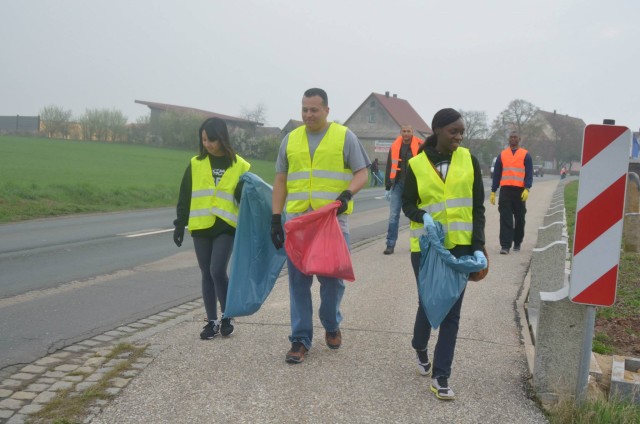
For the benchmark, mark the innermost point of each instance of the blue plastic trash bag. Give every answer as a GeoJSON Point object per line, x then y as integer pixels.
{"type": "Point", "coordinates": [255, 262]}
{"type": "Point", "coordinates": [442, 277]}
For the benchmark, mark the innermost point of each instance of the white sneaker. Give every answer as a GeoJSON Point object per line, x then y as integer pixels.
{"type": "Point", "coordinates": [440, 387]}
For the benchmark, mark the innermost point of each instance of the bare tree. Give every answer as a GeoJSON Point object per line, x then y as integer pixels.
{"type": "Point", "coordinates": [476, 128]}
{"type": "Point", "coordinates": [257, 114]}
{"type": "Point", "coordinates": [518, 116]}
{"type": "Point", "coordinates": [56, 120]}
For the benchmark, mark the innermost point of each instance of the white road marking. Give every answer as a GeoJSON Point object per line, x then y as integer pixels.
{"type": "Point", "coordinates": [145, 233]}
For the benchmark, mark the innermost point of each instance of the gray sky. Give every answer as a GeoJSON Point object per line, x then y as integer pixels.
{"type": "Point", "coordinates": [579, 57]}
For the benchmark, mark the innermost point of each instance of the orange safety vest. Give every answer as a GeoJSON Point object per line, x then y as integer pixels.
{"type": "Point", "coordinates": [395, 153]}
{"type": "Point", "coordinates": [513, 170]}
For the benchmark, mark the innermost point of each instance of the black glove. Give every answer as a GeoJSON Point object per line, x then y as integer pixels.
{"type": "Point", "coordinates": [277, 233]}
{"type": "Point", "coordinates": [178, 235]}
{"type": "Point", "coordinates": [344, 198]}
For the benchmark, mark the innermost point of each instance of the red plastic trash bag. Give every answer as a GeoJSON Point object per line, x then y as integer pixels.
{"type": "Point", "coordinates": [316, 246]}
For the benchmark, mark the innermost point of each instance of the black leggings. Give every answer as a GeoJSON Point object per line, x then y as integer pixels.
{"type": "Point", "coordinates": [213, 257]}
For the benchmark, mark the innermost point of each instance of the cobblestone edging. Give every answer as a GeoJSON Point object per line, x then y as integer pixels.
{"type": "Point", "coordinates": [79, 366]}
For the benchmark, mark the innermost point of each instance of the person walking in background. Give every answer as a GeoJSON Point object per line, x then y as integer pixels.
{"type": "Point", "coordinates": [375, 177]}
{"type": "Point", "coordinates": [208, 204]}
{"type": "Point", "coordinates": [444, 184]}
{"type": "Point", "coordinates": [563, 173]}
{"type": "Point", "coordinates": [404, 147]}
{"type": "Point", "coordinates": [318, 163]}
{"type": "Point", "coordinates": [513, 174]}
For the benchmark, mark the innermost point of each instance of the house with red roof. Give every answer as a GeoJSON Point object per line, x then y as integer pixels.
{"type": "Point", "coordinates": [378, 120]}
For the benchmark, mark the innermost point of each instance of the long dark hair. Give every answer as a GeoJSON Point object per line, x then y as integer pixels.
{"type": "Point", "coordinates": [442, 118]}
{"type": "Point", "coordinates": [216, 130]}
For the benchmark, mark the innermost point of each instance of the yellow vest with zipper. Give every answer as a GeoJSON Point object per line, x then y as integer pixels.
{"type": "Point", "coordinates": [208, 201]}
{"type": "Point", "coordinates": [316, 183]}
{"type": "Point", "coordinates": [449, 202]}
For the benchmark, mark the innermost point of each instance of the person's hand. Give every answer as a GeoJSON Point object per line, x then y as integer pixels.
{"type": "Point", "coordinates": [277, 232]}
{"type": "Point", "coordinates": [387, 195]}
{"type": "Point", "coordinates": [492, 198]}
{"type": "Point", "coordinates": [481, 258]}
{"type": "Point", "coordinates": [427, 220]}
{"type": "Point", "coordinates": [178, 235]}
{"type": "Point", "coordinates": [344, 199]}
{"type": "Point", "coordinates": [525, 195]}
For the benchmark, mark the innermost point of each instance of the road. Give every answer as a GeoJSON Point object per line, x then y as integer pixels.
{"type": "Point", "coordinates": [63, 280]}
{"type": "Point", "coordinates": [67, 279]}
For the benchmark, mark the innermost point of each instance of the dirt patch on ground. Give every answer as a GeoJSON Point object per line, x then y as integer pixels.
{"type": "Point", "coordinates": [622, 334]}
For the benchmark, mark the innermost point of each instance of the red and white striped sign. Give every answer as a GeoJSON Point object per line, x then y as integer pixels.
{"type": "Point", "coordinates": [599, 215]}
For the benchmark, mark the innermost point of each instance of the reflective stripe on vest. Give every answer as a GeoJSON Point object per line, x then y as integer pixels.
{"type": "Point", "coordinates": [449, 202]}
{"type": "Point", "coordinates": [395, 153]}
{"type": "Point", "coordinates": [209, 202]}
{"type": "Point", "coordinates": [318, 183]}
{"type": "Point", "coordinates": [513, 170]}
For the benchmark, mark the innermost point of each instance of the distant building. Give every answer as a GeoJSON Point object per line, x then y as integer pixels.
{"type": "Point", "coordinates": [558, 129]}
{"type": "Point", "coordinates": [19, 124]}
{"type": "Point", "coordinates": [233, 123]}
{"type": "Point", "coordinates": [378, 120]}
{"type": "Point", "coordinates": [290, 126]}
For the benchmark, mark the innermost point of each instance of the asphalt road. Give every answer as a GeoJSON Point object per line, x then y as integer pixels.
{"type": "Point", "coordinates": [66, 279]}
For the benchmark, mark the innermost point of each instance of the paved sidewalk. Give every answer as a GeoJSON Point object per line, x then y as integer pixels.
{"type": "Point", "coordinates": [371, 378]}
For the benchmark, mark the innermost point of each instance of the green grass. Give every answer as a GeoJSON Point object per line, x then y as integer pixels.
{"type": "Point", "coordinates": [627, 305]}
{"type": "Point", "coordinates": [43, 177]}
{"type": "Point", "coordinates": [570, 202]}
{"type": "Point", "coordinates": [66, 408]}
{"type": "Point", "coordinates": [628, 291]}
{"type": "Point", "coordinates": [595, 412]}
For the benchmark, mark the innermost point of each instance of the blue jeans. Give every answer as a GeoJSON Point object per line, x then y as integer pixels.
{"type": "Point", "coordinates": [395, 206]}
{"type": "Point", "coordinates": [447, 335]}
{"type": "Point", "coordinates": [301, 305]}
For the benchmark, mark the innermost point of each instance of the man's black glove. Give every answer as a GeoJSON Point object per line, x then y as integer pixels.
{"type": "Point", "coordinates": [178, 235]}
{"type": "Point", "coordinates": [277, 233]}
{"type": "Point", "coordinates": [344, 198]}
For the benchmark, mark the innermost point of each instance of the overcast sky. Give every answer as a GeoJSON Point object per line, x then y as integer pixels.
{"type": "Point", "coordinates": [578, 57]}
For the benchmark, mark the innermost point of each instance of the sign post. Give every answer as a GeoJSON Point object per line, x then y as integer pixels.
{"type": "Point", "coordinates": [599, 215]}
{"type": "Point", "coordinates": [598, 228]}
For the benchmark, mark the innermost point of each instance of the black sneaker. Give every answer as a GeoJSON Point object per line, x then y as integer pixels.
{"type": "Point", "coordinates": [210, 330]}
{"type": "Point", "coordinates": [504, 251]}
{"type": "Point", "coordinates": [226, 327]}
{"type": "Point", "coordinates": [440, 387]}
{"type": "Point", "coordinates": [388, 250]}
{"type": "Point", "coordinates": [424, 364]}
{"type": "Point", "coordinates": [516, 247]}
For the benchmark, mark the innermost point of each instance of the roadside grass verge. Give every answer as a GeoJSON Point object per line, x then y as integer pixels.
{"type": "Point", "coordinates": [70, 407]}
{"type": "Point", "coordinates": [595, 412]}
{"type": "Point", "coordinates": [626, 306]}
{"type": "Point", "coordinates": [45, 177]}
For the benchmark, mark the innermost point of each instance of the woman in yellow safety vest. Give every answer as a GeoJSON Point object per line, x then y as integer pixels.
{"type": "Point", "coordinates": [208, 205]}
{"type": "Point", "coordinates": [444, 184]}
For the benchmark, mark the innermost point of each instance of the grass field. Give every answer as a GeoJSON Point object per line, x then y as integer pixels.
{"type": "Point", "coordinates": [42, 177]}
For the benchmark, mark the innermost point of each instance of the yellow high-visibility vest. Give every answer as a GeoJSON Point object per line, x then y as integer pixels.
{"type": "Point", "coordinates": [318, 183]}
{"type": "Point", "coordinates": [209, 201]}
{"type": "Point", "coordinates": [449, 202]}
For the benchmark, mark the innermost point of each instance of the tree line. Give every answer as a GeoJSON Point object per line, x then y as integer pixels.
{"type": "Point", "coordinates": [173, 129]}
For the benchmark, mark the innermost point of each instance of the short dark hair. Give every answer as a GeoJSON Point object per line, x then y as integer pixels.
{"type": "Point", "coordinates": [318, 92]}
{"type": "Point", "coordinates": [216, 129]}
